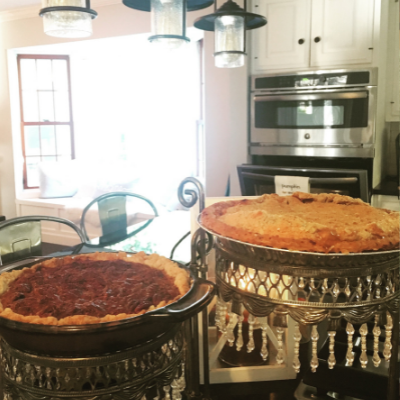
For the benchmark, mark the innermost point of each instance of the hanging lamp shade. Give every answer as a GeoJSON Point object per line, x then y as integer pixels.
{"type": "Point", "coordinates": [145, 5]}
{"type": "Point", "coordinates": [67, 18]}
{"type": "Point", "coordinates": [168, 19]}
{"type": "Point", "coordinates": [230, 23]}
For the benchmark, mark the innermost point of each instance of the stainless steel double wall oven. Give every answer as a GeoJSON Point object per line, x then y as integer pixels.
{"type": "Point", "coordinates": [316, 121]}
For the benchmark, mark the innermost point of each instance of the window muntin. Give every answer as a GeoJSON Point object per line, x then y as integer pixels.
{"type": "Point", "coordinates": [46, 112]}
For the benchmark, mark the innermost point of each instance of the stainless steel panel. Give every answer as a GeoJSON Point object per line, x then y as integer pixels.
{"type": "Point", "coordinates": [321, 181]}
{"type": "Point", "coordinates": [328, 95]}
{"type": "Point", "coordinates": [312, 151]}
{"type": "Point", "coordinates": [372, 82]}
{"type": "Point", "coordinates": [328, 136]}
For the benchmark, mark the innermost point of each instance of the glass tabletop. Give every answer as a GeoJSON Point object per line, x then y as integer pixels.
{"type": "Point", "coordinates": [160, 236]}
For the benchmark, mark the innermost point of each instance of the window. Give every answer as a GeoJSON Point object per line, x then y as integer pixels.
{"type": "Point", "coordinates": [46, 112]}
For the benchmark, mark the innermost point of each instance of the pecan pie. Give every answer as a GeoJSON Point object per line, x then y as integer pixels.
{"type": "Point", "coordinates": [327, 223]}
{"type": "Point", "coordinates": [91, 288]}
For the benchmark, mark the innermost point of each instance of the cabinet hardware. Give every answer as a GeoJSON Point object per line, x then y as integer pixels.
{"type": "Point", "coordinates": [370, 48]}
{"type": "Point", "coordinates": [301, 41]}
{"type": "Point", "coordinates": [307, 136]}
{"type": "Point", "coordinates": [317, 39]}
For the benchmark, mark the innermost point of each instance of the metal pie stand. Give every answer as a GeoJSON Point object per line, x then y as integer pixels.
{"type": "Point", "coordinates": [310, 288]}
{"type": "Point", "coordinates": [141, 357]}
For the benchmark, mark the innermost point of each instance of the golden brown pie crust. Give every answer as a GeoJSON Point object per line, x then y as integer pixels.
{"type": "Point", "coordinates": [326, 223]}
{"type": "Point", "coordinates": [180, 279]}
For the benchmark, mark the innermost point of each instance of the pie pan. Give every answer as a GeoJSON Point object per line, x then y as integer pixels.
{"type": "Point", "coordinates": [281, 259]}
{"type": "Point", "coordinates": [107, 337]}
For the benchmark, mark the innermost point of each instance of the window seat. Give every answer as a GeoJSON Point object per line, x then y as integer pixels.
{"type": "Point", "coordinates": [29, 203]}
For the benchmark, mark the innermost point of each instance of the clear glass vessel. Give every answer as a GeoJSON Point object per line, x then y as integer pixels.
{"type": "Point", "coordinates": [229, 36]}
{"type": "Point", "coordinates": [168, 18]}
{"type": "Point", "coordinates": [67, 24]}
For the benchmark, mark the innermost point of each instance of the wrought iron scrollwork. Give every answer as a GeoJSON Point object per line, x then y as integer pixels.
{"type": "Point", "coordinates": [202, 241]}
{"type": "Point", "coordinates": [192, 193]}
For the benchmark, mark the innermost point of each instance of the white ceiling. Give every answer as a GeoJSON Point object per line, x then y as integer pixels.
{"type": "Point", "coordinates": [18, 9]}
{"type": "Point", "coordinates": [13, 4]}
{"type": "Point", "coordinates": [9, 5]}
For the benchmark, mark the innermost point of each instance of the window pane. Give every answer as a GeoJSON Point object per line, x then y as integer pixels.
{"type": "Point", "coordinates": [32, 140]}
{"type": "Point", "coordinates": [64, 158]}
{"type": "Point", "coordinates": [32, 173]}
{"type": "Point", "coordinates": [44, 75]}
{"type": "Point", "coordinates": [60, 75]}
{"type": "Point", "coordinates": [48, 140]}
{"type": "Point", "coordinates": [63, 140]}
{"type": "Point", "coordinates": [49, 158]}
{"type": "Point", "coordinates": [28, 74]}
{"type": "Point", "coordinates": [61, 100]}
{"type": "Point", "coordinates": [30, 105]}
{"type": "Point", "coordinates": [46, 106]}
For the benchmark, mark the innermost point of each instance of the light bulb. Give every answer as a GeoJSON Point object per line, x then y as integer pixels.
{"type": "Point", "coordinates": [228, 20]}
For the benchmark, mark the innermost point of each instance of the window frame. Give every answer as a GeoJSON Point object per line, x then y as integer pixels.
{"type": "Point", "coordinates": [23, 124]}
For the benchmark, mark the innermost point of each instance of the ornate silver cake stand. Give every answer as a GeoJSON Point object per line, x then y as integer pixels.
{"type": "Point", "coordinates": [310, 288]}
{"type": "Point", "coordinates": [153, 370]}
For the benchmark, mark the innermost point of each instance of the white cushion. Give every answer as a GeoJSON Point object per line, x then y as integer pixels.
{"type": "Point", "coordinates": [58, 179]}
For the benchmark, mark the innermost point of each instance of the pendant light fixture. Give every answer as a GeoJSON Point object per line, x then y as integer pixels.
{"type": "Point", "coordinates": [67, 18]}
{"type": "Point", "coordinates": [230, 23]}
{"type": "Point", "coordinates": [168, 19]}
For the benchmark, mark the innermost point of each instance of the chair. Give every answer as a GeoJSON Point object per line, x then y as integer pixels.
{"type": "Point", "coordinates": [113, 215]}
{"type": "Point", "coordinates": [21, 237]}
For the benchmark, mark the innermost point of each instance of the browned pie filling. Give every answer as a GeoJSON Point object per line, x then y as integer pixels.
{"type": "Point", "coordinates": [325, 222]}
{"type": "Point", "coordinates": [87, 287]}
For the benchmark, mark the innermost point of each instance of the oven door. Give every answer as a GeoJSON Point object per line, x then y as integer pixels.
{"type": "Point", "coordinates": [258, 180]}
{"type": "Point", "coordinates": [314, 117]}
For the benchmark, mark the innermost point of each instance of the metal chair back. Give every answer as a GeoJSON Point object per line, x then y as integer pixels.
{"type": "Point", "coordinates": [21, 237]}
{"type": "Point", "coordinates": [112, 213]}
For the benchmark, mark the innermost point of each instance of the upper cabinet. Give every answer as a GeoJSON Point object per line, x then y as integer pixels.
{"type": "Point", "coordinates": [312, 33]}
{"type": "Point", "coordinates": [392, 105]}
{"type": "Point", "coordinates": [342, 32]}
{"type": "Point", "coordinates": [285, 41]}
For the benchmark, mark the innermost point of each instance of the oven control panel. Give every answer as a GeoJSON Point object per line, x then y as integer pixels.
{"type": "Point", "coordinates": [314, 79]}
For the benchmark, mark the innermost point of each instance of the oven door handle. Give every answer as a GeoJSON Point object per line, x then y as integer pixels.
{"type": "Point", "coordinates": [269, 178]}
{"type": "Point", "coordinates": [313, 96]}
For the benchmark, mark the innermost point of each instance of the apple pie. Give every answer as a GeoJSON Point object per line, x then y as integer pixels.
{"type": "Point", "coordinates": [326, 223]}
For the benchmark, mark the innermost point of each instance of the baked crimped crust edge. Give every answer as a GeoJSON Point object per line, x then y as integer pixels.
{"type": "Point", "coordinates": [209, 219]}
{"type": "Point", "coordinates": [180, 276]}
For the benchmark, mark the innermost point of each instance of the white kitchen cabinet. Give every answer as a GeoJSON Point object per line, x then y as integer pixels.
{"type": "Point", "coordinates": [341, 32]}
{"type": "Point", "coordinates": [303, 34]}
{"type": "Point", "coordinates": [392, 105]}
{"type": "Point", "coordinates": [285, 40]}
{"type": "Point", "coordinates": [393, 108]}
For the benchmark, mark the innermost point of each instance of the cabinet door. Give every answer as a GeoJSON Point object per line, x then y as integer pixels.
{"type": "Point", "coordinates": [341, 32]}
{"type": "Point", "coordinates": [393, 66]}
{"type": "Point", "coordinates": [284, 43]}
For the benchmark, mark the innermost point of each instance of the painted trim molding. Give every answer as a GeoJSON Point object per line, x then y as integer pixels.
{"type": "Point", "coordinates": [33, 11]}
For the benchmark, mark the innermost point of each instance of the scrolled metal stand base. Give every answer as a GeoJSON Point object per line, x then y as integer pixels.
{"type": "Point", "coordinates": [143, 373]}
{"type": "Point", "coordinates": [356, 289]}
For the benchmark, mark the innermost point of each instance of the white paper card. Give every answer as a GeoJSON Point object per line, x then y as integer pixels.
{"type": "Point", "coordinates": [287, 185]}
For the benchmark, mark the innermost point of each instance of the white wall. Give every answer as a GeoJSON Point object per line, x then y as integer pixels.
{"type": "Point", "coordinates": [225, 98]}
